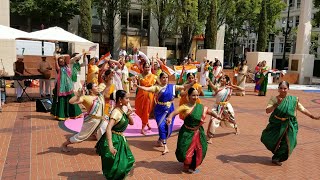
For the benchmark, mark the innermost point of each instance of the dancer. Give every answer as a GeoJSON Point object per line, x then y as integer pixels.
{"type": "Point", "coordinates": [191, 145]}
{"type": "Point", "coordinates": [63, 92]}
{"type": "Point", "coordinates": [217, 71]}
{"type": "Point", "coordinates": [116, 156]}
{"type": "Point", "coordinates": [94, 103]}
{"type": "Point", "coordinates": [164, 94]}
{"type": "Point", "coordinates": [263, 81]}
{"type": "Point", "coordinates": [93, 71]}
{"type": "Point", "coordinates": [191, 79]}
{"type": "Point", "coordinates": [280, 136]}
{"type": "Point", "coordinates": [76, 69]}
{"type": "Point", "coordinates": [242, 77]}
{"type": "Point", "coordinates": [257, 77]}
{"type": "Point", "coordinates": [210, 69]}
{"type": "Point", "coordinates": [144, 100]}
{"type": "Point", "coordinates": [222, 107]}
{"type": "Point", "coordinates": [203, 72]}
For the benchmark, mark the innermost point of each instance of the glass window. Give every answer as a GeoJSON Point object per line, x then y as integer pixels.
{"type": "Point", "coordinates": [291, 3]}
{"type": "Point", "coordinates": [281, 47]}
{"type": "Point", "coordinates": [288, 47]}
{"type": "Point", "coordinates": [145, 20]}
{"type": "Point", "coordinates": [124, 19]}
{"type": "Point", "coordinates": [297, 21]}
{"type": "Point", "coordinates": [135, 18]}
{"type": "Point", "coordinates": [271, 49]}
{"type": "Point", "coordinates": [298, 3]}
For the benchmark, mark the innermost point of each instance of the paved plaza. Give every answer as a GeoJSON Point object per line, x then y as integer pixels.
{"type": "Point", "coordinates": [30, 146]}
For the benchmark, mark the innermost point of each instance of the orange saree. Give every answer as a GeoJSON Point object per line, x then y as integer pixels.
{"type": "Point", "coordinates": [144, 100]}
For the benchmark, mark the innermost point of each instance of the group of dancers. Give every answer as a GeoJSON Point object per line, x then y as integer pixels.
{"type": "Point", "coordinates": [108, 111]}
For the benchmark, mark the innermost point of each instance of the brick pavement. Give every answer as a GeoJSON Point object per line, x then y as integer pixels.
{"type": "Point", "coordinates": [30, 144]}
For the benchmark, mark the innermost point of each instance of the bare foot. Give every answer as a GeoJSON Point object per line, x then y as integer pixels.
{"type": "Point", "coordinates": [65, 149]}
{"type": "Point", "coordinates": [237, 131]}
{"type": "Point", "coordinates": [165, 152]}
{"type": "Point", "coordinates": [209, 141]}
{"type": "Point", "coordinates": [149, 128]}
{"type": "Point", "coordinates": [143, 132]}
{"type": "Point", "coordinates": [159, 144]}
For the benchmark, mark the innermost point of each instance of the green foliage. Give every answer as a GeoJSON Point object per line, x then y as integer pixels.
{"type": "Point", "coordinates": [189, 22]}
{"type": "Point", "coordinates": [86, 19]}
{"type": "Point", "coordinates": [316, 19]}
{"type": "Point", "coordinates": [163, 12]}
{"type": "Point", "coordinates": [107, 12]}
{"type": "Point", "coordinates": [48, 12]}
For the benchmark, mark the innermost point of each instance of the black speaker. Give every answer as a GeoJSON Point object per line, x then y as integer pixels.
{"type": "Point", "coordinates": [43, 105]}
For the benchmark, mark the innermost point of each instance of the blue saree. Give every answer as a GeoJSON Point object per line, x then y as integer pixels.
{"type": "Point", "coordinates": [164, 106]}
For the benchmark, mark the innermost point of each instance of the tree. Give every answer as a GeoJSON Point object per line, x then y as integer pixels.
{"type": "Point", "coordinates": [316, 18]}
{"type": "Point", "coordinates": [47, 12]}
{"type": "Point", "coordinates": [262, 32]}
{"type": "Point", "coordinates": [108, 10]}
{"type": "Point", "coordinates": [162, 10]}
{"type": "Point", "coordinates": [189, 23]}
{"type": "Point", "coordinates": [85, 19]}
{"type": "Point", "coordinates": [211, 31]}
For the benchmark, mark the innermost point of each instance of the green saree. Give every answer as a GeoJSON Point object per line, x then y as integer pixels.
{"type": "Point", "coordinates": [192, 144]}
{"type": "Point", "coordinates": [280, 136]}
{"type": "Point", "coordinates": [118, 166]}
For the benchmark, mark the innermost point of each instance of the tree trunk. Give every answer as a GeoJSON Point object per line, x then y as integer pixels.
{"type": "Point", "coordinates": [262, 32]}
{"type": "Point", "coordinates": [187, 36]}
{"type": "Point", "coordinates": [210, 39]}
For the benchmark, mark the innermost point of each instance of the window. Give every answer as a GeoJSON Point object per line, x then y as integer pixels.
{"type": "Point", "coordinates": [145, 20]}
{"type": "Point", "coordinates": [288, 47]}
{"type": "Point", "coordinates": [271, 47]}
{"type": "Point", "coordinates": [297, 21]}
{"type": "Point", "coordinates": [124, 19]}
{"type": "Point", "coordinates": [281, 47]}
{"type": "Point", "coordinates": [291, 3]}
{"type": "Point", "coordinates": [135, 18]}
{"type": "Point", "coordinates": [298, 3]}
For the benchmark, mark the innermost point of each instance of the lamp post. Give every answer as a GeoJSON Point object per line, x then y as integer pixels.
{"type": "Point", "coordinates": [286, 29]}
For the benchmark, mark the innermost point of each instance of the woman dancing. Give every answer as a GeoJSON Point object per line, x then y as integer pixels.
{"type": "Point", "coordinates": [190, 79]}
{"type": "Point", "coordinates": [61, 108]}
{"type": "Point", "coordinates": [94, 103]}
{"type": "Point", "coordinates": [144, 99]}
{"type": "Point", "coordinates": [222, 107]}
{"type": "Point", "coordinates": [164, 94]}
{"type": "Point", "coordinates": [116, 156]}
{"type": "Point", "coordinates": [192, 145]}
{"type": "Point", "coordinates": [280, 136]}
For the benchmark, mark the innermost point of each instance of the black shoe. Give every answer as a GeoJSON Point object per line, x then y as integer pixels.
{"type": "Point", "coordinates": [276, 162]}
{"type": "Point", "coordinates": [42, 95]}
{"type": "Point", "coordinates": [48, 95]}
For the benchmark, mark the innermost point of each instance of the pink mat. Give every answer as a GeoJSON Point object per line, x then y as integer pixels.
{"type": "Point", "coordinates": [132, 130]}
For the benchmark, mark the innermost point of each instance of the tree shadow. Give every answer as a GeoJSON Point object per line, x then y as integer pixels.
{"type": "Point", "coordinates": [82, 175]}
{"type": "Point", "coordinates": [167, 167]}
{"type": "Point", "coordinates": [73, 151]}
{"type": "Point", "coordinates": [246, 159]}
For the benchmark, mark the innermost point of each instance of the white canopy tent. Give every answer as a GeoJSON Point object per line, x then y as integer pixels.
{"type": "Point", "coordinates": [11, 33]}
{"type": "Point", "coordinates": [76, 43]}
{"type": "Point", "coordinates": [58, 34]}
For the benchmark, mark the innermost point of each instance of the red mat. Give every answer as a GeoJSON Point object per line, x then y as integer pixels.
{"type": "Point", "coordinates": [74, 125]}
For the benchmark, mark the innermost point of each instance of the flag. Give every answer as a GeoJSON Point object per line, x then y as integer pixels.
{"type": "Point", "coordinates": [102, 59]}
{"type": "Point", "coordinates": [167, 70]}
{"type": "Point", "coordinates": [93, 48]}
{"type": "Point", "coordinates": [134, 70]}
